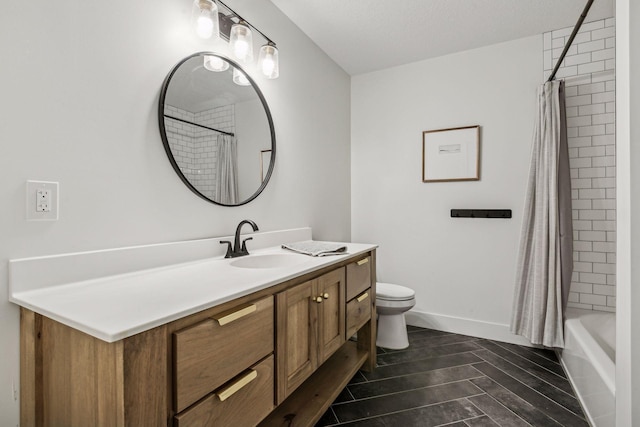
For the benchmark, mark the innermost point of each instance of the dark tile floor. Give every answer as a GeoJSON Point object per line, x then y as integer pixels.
{"type": "Point", "coordinates": [458, 381]}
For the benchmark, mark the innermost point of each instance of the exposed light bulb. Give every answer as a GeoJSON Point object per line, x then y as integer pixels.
{"type": "Point", "coordinates": [205, 17]}
{"type": "Point", "coordinates": [215, 63]}
{"type": "Point", "coordinates": [241, 42]}
{"type": "Point", "coordinates": [268, 66]}
{"type": "Point", "coordinates": [268, 61]}
{"type": "Point", "coordinates": [204, 27]}
{"type": "Point", "coordinates": [239, 78]}
{"type": "Point", "coordinates": [240, 49]}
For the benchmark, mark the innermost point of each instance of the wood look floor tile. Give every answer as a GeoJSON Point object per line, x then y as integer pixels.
{"type": "Point", "coordinates": [410, 382]}
{"type": "Point", "coordinates": [553, 410]}
{"type": "Point", "coordinates": [516, 404]}
{"type": "Point", "coordinates": [482, 421]}
{"type": "Point", "coordinates": [515, 353]}
{"type": "Point", "coordinates": [552, 392]}
{"type": "Point", "coordinates": [358, 378]}
{"type": "Point", "coordinates": [418, 340]}
{"type": "Point", "coordinates": [531, 352]}
{"type": "Point", "coordinates": [423, 365]}
{"type": "Point", "coordinates": [424, 353]}
{"type": "Point", "coordinates": [344, 396]}
{"type": "Point", "coordinates": [402, 401]}
{"type": "Point", "coordinates": [497, 411]}
{"type": "Point", "coordinates": [559, 381]}
{"type": "Point", "coordinates": [446, 379]}
{"type": "Point", "coordinates": [328, 419]}
{"type": "Point", "coordinates": [426, 416]}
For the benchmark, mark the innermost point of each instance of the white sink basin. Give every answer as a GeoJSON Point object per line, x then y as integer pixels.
{"type": "Point", "coordinates": [269, 261]}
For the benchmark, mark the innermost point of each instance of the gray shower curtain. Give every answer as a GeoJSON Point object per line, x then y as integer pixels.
{"type": "Point", "coordinates": [545, 258]}
{"type": "Point", "coordinates": [227, 170]}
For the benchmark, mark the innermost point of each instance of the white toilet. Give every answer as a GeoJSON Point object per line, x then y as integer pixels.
{"type": "Point", "coordinates": [392, 301]}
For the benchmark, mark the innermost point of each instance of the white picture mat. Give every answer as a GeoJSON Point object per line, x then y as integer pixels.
{"type": "Point", "coordinates": [450, 154]}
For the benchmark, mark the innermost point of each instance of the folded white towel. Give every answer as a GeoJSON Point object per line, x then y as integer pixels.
{"type": "Point", "coordinates": [314, 248]}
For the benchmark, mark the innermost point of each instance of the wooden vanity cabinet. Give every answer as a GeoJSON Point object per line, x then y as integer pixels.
{"type": "Point", "coordinates": [279, 356]}
{"type": "Point", "coordinates": [244, 401]}
{"type": "Point", "coordinates": [310, 319]}
{"type": "Point", "coordinates": [359, 276]}
{"type": "Point", "coordinates": [214, 351]}
{"type": "Point", "coordinates": [360, 294]}
{"type": "Point", "coordinates": [331, 313]}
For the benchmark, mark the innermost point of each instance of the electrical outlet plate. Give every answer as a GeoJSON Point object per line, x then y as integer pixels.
{"type": "Point", "coordinates": [42, 201]}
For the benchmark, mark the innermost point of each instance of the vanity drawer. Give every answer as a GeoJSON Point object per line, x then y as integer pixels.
{"type": "Point", "coordinates": [358, 277]}
{"type": "Point", "coordinates": [358, 312]}
{"type": "Point", "coordinates": [243, 401]}
{"type": "Point", "coordinates": [210, 353]}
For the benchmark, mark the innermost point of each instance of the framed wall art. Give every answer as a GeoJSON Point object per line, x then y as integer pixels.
{"type": "Point", "coordinates": [451, 154]}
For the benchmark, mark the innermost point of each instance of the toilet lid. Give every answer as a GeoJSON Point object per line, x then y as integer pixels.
{"type": "Point", "coordinates": [391, 292]}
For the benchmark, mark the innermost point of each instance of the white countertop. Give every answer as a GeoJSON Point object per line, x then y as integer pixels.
{"type": "Point", "coordinates": [118, 306]}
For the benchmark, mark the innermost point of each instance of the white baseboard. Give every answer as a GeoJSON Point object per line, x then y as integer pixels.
{"type": "Point", "coordinates": [461, 325]}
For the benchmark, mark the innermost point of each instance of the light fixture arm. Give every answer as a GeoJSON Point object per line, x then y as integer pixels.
{"type": "Point", "coordinates": [248, 23]}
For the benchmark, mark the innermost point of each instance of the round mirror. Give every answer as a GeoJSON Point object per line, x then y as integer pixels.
{"type": "Point", "coordinates": [217, 130]}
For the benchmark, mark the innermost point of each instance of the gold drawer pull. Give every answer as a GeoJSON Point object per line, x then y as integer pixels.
{"type": "Point", "coordinates": [363, 261]}
{"type": "Point", "coordinates": [227, 392]}
{"type": "Point", "coordinates": [325, 296]}
{"type": "Point", "coordinates": [318, 299]}
{"type": "Point", "coordinates": [223, 319]}
{"type": "Point", "coordinates": [363, 297]}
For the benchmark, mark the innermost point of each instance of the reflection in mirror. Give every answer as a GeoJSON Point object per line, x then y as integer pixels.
{"type": "Point", "coordinates": [265, 161]}
{"type": "Point", "coordinates": [216, 132]}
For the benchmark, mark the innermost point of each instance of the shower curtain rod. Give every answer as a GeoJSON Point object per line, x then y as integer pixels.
{"type": "Point", "coordinates": [199, 125]}
{"type": "Point", "coordinates": [571, 37]}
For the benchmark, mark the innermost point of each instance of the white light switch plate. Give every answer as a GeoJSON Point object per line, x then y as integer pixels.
{"type": "Point", "coordinates": [42, 201]}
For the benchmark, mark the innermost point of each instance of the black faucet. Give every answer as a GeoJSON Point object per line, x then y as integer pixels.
{"type": "Point", "coordinates": [238, 250]}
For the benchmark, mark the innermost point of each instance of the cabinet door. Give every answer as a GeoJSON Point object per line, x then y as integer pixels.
{"type": "Point", "coordinates": [331, 313]}
{"type": "Point", "coordinates": [297, 351]}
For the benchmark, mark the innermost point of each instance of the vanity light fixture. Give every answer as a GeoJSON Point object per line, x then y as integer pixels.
{"type": "Point", "coordinates": [241, 42]}
{"type": "Point", "coordinates": [215, 63]}
{"type": "Point", "coordinates": [205, 17]}
{"type": "Point", "coordinates": [210, 22]}
{"type": "Point", "coordinates": [268, 61]}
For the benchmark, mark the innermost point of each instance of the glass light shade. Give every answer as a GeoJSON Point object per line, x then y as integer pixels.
{"type": "Point", "coordinates": [239, 78]}
{"type": "Point", "coordinates": [268, 61]}
{"type": "Point", "coordinates": [205, 19]}
{"type": "Point", "coordinates": [241, 42]}
{"type": "Point", "coordinates": [214, 63]}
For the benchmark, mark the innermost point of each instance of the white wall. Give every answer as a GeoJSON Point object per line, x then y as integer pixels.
{"type": "Point", "coordinates": [80, 86]}
{"type": "Point", "coordinates": [461, 269]}
{"type": "Point", "coordinates": [628, 213]}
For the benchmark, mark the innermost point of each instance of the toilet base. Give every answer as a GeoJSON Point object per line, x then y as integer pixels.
{"type": "Point", "coordinates": [392, 331]}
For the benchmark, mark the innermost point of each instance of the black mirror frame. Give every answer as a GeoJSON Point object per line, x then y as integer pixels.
{"type": "Point", "coordinates": [165, 141]}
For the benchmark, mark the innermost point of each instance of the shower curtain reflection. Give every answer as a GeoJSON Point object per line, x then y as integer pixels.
{"type": "Point", "coordinates": [227, 170]}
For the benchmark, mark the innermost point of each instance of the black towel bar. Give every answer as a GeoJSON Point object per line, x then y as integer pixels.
{"type": "Point", "coordinates": [480, 213]}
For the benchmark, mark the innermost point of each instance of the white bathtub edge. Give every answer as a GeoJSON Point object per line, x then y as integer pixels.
{"type": "Point", "coordinates": [589, 369]}
{"type": "Point", "coordinates": [597, 357]}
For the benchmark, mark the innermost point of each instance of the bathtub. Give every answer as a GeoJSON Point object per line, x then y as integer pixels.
{"type": "Point", "coordinates": [589, 360]}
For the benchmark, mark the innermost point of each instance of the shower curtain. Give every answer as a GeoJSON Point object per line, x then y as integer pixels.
{"type": "Point", "coordinates": [227, 170]}
{"type": "Point", "coordinates": [545, 258]}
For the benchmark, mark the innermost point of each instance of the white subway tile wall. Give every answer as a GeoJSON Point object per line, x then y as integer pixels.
{"type": "Point", "coordinates": [589, 74]}
{"type": "Point", "coordinates": [196, 149]}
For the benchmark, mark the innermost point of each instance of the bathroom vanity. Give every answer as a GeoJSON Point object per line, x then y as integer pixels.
{"type": "Point", "coordinates": [273, 350]}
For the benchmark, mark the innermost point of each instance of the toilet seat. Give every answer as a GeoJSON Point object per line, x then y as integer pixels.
{"type": "Point", "coordinates": [389, 292]}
